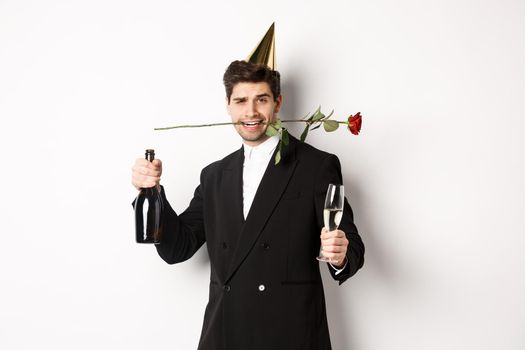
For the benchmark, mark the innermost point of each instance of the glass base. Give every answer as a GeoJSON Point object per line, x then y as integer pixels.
{"type": "Point", "coordinates": [325, 259]}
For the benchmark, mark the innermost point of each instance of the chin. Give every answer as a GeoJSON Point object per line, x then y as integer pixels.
{"type": "Point", "coordinates": [254, 138]}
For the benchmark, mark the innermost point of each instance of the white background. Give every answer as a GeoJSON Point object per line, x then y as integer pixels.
{"type": "Point", "coordinates": [436, 178]}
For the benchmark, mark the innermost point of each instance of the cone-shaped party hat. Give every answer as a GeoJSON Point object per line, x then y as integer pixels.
{"type": "Point", "coordinates": [264, 52]}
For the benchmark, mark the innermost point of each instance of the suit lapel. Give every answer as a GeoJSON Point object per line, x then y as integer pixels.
{"type": "Point", "coordinates": [268, 194]}
{"type": "Point", "coordinates": [231, 191]}
{"type": "Point", "coordinates": [229, 209]}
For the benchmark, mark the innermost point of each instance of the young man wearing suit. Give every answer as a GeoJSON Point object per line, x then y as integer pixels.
{"type": "Point", "coordinates": [263, 225]}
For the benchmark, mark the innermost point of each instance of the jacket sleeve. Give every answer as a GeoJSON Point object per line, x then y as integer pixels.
{"type": "Point", "coordinates": [330, 172]}
{"type": "Point", "coordinates": [182, 235]}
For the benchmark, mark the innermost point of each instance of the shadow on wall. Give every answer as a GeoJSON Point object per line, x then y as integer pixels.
{"type": "Point", "coordinates": [375, 255]}
{"type": "Point", "coordinates": [290, 108]}
{"type": "Point", "coordinates": [339, 322]}
{"type": "Point", "coordinates": [376, 258]}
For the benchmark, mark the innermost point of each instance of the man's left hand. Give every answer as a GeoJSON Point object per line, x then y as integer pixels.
{"type": "Point", "coordinates": [334, 245]}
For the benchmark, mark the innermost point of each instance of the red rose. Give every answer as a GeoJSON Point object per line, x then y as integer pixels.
{"type": "Point", "coordinates": [354, 123]}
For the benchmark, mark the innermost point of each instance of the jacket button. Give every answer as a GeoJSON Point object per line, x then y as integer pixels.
{"type": "Point", "coordinates": [262, 288]}
{"type": "Point", "coordinates": [265, 246]}
{"type": "Point", "coordinates": [227, 287]}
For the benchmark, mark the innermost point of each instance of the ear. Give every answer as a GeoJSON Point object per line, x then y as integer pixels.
{"type": "Point", "coordinates": [278, 104]}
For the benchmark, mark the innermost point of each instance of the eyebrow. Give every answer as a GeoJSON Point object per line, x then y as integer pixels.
{"type": "Point", "coordinates": [257, 96]}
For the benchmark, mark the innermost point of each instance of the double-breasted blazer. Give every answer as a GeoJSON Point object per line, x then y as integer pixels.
{"type": "Point", "coordinates": [265, 288]}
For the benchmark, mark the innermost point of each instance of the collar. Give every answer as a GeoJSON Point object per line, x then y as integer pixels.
{"type": "Point", "coordinates": [264, 150]}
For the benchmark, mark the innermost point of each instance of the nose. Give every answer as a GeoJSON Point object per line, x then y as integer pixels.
{"type": "Point", "coordinates": [251, 110]}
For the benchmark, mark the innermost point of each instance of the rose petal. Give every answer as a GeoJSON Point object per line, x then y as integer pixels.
{"type": "Point", "coordinates": [354, 123]}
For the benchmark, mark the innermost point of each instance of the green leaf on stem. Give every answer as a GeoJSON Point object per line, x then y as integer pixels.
{"type": "Point", "coordinates": [307, 117]}
{"type": "Point", "coordinates": [284, 137]}
{"type": "Point", "coordinates": [318, 116]}
{"type": "Point", "coordinates": [305, 132]}
{"type": "Point", "coordinates": [277, 156]}
{"type": "Point", "coordinates": [271, 130]}
{"type": "Point", "coordinates": [330, 125]}
{"type": "Point", "coordinates": [316, 127]}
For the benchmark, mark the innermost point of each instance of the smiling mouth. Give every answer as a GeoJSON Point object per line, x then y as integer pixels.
{"type": "Point", "coordinates": [252, 123]}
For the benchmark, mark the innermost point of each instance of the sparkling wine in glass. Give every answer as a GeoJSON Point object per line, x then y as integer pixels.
{"type": "Point", "coordinates": [332, 213]}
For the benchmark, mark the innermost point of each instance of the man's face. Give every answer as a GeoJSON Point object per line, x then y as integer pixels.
{"type": "Point", "coordinates": [253, 105]}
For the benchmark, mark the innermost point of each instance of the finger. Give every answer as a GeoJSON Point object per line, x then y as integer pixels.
{"type": "Point", "coordinates": [155, 164]}
{"type": "Point", "coordinates": [145, 181]}
{"type": "Point", "coordinates": [142, 181]}
{"type": "Point", "coordinates": [141, 162]}
{"type": "Point", "coordinates": [146, 184]}
{"type": "Point", "coordinates": [335, 248]}
{"type": "Point", "coordinates": [146, 171]}
{"type": "Point", "coordinates": [325, 234]}
{"type": "Point", "coordinates": [152, 172]}
{"type": "Point", "coordinates": [340, 233]}
{"type": "Point", "coordinates": [332, 234]}
{"type": "Point", "coordinates": [334, 241]}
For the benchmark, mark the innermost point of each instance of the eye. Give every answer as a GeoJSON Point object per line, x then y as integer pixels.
{"type": "Point", "coordinates": [263, 100]}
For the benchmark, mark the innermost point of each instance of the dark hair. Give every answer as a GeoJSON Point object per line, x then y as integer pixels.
{"type": "Point", "coordinates": [242, 71]}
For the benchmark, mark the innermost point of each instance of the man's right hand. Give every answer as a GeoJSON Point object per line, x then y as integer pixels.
{"type": "Point", "coordinates": [145, 174]}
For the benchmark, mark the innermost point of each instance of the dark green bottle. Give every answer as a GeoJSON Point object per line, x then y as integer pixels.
{"type": "Point", "coordinates": [148, 212]}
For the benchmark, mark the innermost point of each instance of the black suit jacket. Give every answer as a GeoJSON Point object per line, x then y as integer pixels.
{"type": "Point", "coordinates": [265, 286]}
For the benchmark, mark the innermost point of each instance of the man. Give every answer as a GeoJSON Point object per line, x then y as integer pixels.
{"type": "Point", "coordinates": [263, 225]}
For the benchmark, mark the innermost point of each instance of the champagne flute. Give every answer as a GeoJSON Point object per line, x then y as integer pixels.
{"type": "Point", "coordinates": [332, 213]}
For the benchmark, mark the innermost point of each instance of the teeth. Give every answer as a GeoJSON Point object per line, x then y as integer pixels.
{"type": "Point", "coordinates": [251, 123]}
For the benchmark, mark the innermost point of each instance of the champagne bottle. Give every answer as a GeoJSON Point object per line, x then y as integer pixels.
{"type": "Point", "coordinates": [148, 211]}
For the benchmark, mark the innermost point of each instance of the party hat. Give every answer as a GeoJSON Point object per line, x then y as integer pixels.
{"type": "Point", "coordinates": [264, 52]}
